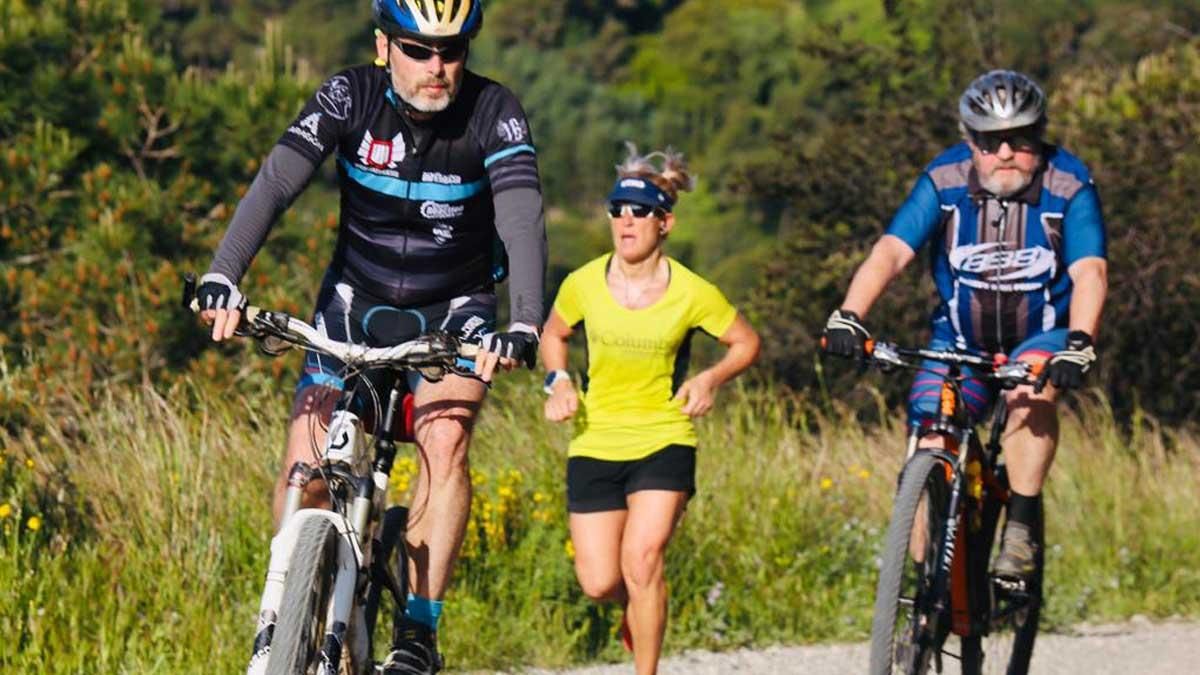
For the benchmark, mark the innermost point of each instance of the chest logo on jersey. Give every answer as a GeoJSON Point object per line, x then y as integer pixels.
{"type": "Point", "coordinates": [632, 343]}
{"type": "Point", "coordinates": [440, 211]}
{"type": "Point", "coordinates": [383, 155]}
{"type": "Point", "coordinates": [1025, 263]}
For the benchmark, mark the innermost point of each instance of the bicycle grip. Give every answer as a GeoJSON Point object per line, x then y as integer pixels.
{"type": "Point", "coordinates": [188, 299]}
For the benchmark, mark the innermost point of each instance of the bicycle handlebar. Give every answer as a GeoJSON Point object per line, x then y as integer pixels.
{"type": "Point", "coordinates": [262, 324]}
{"type": "Point", "coordinates": [996, 367]}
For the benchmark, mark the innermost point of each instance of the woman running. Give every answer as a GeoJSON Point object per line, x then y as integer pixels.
{"type": "Point", "coordinates": [631, 468]}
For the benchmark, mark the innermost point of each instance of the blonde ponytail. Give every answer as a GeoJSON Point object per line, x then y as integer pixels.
{"type": "Point", "coordinates": [672, 177]}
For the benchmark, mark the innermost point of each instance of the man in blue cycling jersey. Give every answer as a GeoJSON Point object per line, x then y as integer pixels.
{"type": "Point", "coordinates": [1017, 246]}
{"type": "Point", "coordinates": [437, 169]}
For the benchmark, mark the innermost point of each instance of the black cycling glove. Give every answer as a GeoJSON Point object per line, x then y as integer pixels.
{"type": "Point", "coordinates": [519, 342]}
{"type": "Point", "coordinates": [218, 292]}
{"type": "Point", "coordinates": [844, 334]}
{"type": "Point", "coordinates": [1066, 368]}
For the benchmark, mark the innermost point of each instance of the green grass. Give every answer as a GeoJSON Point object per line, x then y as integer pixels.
{"type": "Point", "coordinates": [154, 528]}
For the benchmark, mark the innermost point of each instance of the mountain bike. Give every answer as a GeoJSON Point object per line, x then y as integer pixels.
{"type": "Point", "coordinates": [934, 579]}
{"type": "Point", "coordinates": [330, 571]}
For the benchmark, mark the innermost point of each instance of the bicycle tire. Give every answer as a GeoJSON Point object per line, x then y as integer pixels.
{"type": "Point", "coordinates": [307, 590]}
{"type": "Point", "coordinates": [894, 636]}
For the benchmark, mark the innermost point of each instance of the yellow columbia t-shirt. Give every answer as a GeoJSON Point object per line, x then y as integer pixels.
{"type": "Point", "coordinates": [637, 358]}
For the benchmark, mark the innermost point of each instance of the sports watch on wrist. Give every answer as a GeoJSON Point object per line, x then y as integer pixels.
{"type": "Point", "coordinates": [552, 378]}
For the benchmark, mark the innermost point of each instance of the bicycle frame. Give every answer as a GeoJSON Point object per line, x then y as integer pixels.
{"type": "Point", "coordinates": [978, 489]}
{"type": "Point", "coordinates": [346, 467]}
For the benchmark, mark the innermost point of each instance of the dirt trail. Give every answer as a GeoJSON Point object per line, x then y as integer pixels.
{"type": "Point", "coordinates": [1134, 647]}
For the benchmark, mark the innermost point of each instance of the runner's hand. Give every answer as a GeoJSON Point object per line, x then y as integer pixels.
{"type": "Point", "coordinates": [563, 402]}
{"type": "Point", "coordinates": [1066, 368]}
{"type": "Point", "coordinates": [697, 395]}
{"type": "Point", "coordinates": [845, 335]}
{"type": "Point", "coordinates": [221, 304]}
{"type": "Point", "coordinates": [518, 345]}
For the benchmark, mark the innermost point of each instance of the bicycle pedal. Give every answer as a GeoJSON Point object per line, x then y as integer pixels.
{"type": "Point", "coordinates": [1011, 585]}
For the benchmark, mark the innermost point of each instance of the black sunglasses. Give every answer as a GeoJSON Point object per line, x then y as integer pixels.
{"type": "Point", "coordinates": [451, 52]}
{"type": "Point", "coordinates": [1025, 138]}
{"type": "Point", "coordinates": [615, 209]}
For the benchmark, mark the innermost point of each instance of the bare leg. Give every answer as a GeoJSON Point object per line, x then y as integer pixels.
{"type": "Point", "coordinates": [597, 541]}
{"type": "Point", "coordinates": [444, 415]}
{"type": "Point", "coordinates": [306, 439]}
{"type": "Point", "coordinates": [652, 518]}
{"type": "Point", "coordinates": [1030, 439]}
{"type": "Point", "coordinates": [918, 538]}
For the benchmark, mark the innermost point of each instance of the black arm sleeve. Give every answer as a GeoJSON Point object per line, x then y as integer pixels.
{"type": "Point", "coordinates": [283, 176]}
{"type": "Point", "coordinates": [522, 227]}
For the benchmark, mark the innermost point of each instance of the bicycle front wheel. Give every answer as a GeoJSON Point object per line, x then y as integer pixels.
{"type": "Point", "coordinates": [307, 589]}
{"type": "Point", "coordinates": [904, 634]}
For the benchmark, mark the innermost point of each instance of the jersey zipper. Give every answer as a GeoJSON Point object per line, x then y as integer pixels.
{"type": "Point", "coordinates": [1002, 221]}
{"type": "Point", "coordinates": [410, 215]}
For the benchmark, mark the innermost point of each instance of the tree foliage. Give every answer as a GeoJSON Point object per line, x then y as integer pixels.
{"type": "Point", "coordinates": [129, 129]}
{"type": "Point", "coordinates": [120, 170]}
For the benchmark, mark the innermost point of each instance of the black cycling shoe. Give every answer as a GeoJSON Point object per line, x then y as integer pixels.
{"type": "Point", "coordinates": [414, 650]}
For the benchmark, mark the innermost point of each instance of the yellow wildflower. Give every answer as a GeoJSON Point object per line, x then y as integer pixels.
{"type": "Point", "coordinates": [5, 510]}
{"type": "Point", "coordinates": [864, 474]}
{"type": "Point", "coordinates": [538, 498]}
{"type": "Point", "coordinates": [29, 463]}
{"type": "Point", "coordinates": [569, 547]}
{"type": "Point", "coordinates": [826, 483]}
{"type": "Point", "coordinates": [34, 523]}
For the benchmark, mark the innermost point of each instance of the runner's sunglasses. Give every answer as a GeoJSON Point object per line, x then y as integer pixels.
{"type": "Point", "coordinates": [615, 209]}
{"type": "Point", "coordinates": [451, 52]}
{"type": "Point", "coordinates": [1026, 139]}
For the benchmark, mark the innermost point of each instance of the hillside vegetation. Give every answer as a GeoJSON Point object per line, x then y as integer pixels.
{"type": "Point", "coordinates": [136, 456]}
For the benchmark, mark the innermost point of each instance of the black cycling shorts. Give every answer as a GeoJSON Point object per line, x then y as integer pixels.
{"type": "Point", "coordinates": [598, 485]}
{"type": "Point", "coordinates": [352, 315]}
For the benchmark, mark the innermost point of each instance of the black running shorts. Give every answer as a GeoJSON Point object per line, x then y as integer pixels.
{"type": "Point", "coordinates": [598, 485]}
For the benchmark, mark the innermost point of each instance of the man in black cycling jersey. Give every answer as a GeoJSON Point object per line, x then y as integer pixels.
{"type": "Point", "coordinates": [436, 168]}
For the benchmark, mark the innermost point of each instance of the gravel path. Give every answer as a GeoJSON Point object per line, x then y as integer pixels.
{"type": "Point", "coordinates": [1134, 647]}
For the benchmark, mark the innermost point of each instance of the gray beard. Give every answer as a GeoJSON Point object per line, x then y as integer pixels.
{"type": "Point", "coordinates": [426, 106]}
{"type": "Point", "coordinates": [1002, 188]}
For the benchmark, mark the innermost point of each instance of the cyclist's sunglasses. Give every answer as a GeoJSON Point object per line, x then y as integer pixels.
{"type": "Point", "coordinates": [451, 52]}
{"type": "Point", "coordinates": [1027, 139]}
{"type": "Point", "coordinates": [616, 209]}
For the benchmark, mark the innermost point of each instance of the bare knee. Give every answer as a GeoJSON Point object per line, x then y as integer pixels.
{"type": "Point", "coordinates": [600, 587]}
{"type": "Point", "coordinates": [1036, 413]}
{"type": "Point", "coordinates": [642, 566]}
{"type": "Point", "coordinates": [443, 446]}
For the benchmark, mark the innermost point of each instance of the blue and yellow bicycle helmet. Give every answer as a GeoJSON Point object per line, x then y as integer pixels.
{"type": "Point", "coordinates": [429, 20]}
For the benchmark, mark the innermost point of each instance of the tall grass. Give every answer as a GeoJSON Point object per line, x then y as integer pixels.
{"type": "Point", "coordinates": [153, 519]}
